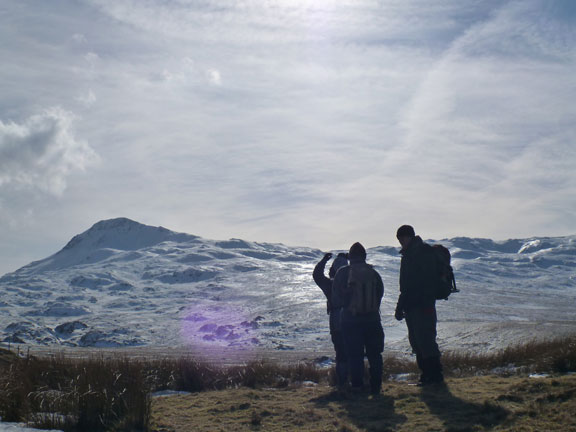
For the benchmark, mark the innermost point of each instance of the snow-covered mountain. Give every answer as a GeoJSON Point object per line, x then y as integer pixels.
{"type": "Point", "coordinates": [122, 283]}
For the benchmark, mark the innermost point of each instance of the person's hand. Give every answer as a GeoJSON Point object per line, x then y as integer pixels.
{"type": "Point", "coordinates": [327, 256]}
{"type": "Point", "coordinates": [399, 314]}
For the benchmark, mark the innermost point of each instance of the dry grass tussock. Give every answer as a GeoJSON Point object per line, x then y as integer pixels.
{"type": "Point", "coordinates": [113, 394]}
{"type": "Point", "coordinates": [557, 356]}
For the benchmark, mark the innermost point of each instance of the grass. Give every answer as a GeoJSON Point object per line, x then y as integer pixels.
{"type": "Point", "coordinates": [468, 404]}
{"type": "Point", "coordinates": [73, 395]}
{"type": "Point", "coordinates": [113, 394]}
{"type": "Point", "coordinates": [103, 394]}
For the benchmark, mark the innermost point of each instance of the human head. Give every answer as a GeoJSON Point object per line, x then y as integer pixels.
{"type": "Point", "coordinates": [357, 251]}
{"type": "Point", "coordinates": [340, 261]}
{"type": "Point", "coordinates": [405, 234]}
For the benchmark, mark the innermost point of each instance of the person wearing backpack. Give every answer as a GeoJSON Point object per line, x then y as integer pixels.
{"type": "Point", "coordinates": [325, 284]}
{"type": "Point", "coordinates": [417, 302]}
{"type": "Point", "coordinates": [356, 294]}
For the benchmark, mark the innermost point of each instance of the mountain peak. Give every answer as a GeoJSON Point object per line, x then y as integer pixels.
{"type": "Point", "coordinates": [119, 222]}
{"type": "Point", "coordinates": [104, 237]}
{"type": "Point", "coordinates": [123, 234]}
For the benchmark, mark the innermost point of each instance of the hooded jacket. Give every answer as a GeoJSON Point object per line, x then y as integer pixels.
{"type": "Point", "coordinates": [417, 276]}
{"type": "Point", "coordinates": [323, 282]}
{"type": "Point", "coordinates": [341, 296]}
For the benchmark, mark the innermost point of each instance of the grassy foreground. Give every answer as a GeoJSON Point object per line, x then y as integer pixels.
{"type": "Point", "coordinates": [487, 403]}
{"type": "Point", "coordinates": [484, 392]}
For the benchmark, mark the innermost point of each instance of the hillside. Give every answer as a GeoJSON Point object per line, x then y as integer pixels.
{"type": "Point", "coordinates": [124, 284]}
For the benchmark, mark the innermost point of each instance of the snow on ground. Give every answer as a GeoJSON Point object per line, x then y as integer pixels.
{"type": "Point", "coordinates": [21, 427]}
{"type": "Point", "coordinates": [124, 284]}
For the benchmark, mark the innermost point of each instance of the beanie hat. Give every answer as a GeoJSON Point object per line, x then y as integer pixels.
{"type": "Point", "coordinates": [405, 231]}
{"type": "Point", "coordinates": [357, 251]}
{"type": "Point", "coordinates": [340, 261]}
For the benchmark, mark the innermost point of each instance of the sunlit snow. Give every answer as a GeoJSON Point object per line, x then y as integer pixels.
{"type": "Point", "coordinates": [124, 284]}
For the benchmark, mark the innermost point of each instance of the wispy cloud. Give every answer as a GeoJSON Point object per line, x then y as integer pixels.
{"type": "Point", "coordinates": [492, 125]}
{"type": "Point", "coordinates": [317, 123]}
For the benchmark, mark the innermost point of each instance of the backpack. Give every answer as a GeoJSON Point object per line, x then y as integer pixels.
{"type": "Point", "coordinates": [446, 283]}
{"type": "Point", "coordinates": [362, 286]}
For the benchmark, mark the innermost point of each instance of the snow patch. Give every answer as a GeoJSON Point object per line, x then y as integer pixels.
{"type": "Point", "coordinates": [115, 338]}
{"type": "Point", "coordinates": [90, 281]}
{"type": "Point", "coordinates": [223, 255]}
{"type": "Point", "coordinates": [194, 258]}
{"type": "Point", "coordinates": [68, 328]}
{"type": "Point", "coordinates": [169, 393]}
{"type": "Point", "coordinates": [466, 254]}
{"type": "Point", "coordinates": [181, 276]}
{"type": "Point", "coordinates": [530, 246]}
{"type": "Point", "coordinates": [234, 244]}
{"type": "Point", "coordinates": [29, 332]}
{"type": "Point", "coordinates": [21, 427]}
{"type": "Point", "coordinates": [61, 309]}
{"type": "Point", "coordinates": [155, 283]}
{"type": "Point", "coordinates": [122, 286]}
{"type": "Point", "coordinates": [258, 254]}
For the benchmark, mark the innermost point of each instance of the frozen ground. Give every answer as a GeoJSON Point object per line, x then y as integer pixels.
{"type": "Point", "coordinates": [124, 284]}
{"type": "Point", "coordinates": [20, 427]}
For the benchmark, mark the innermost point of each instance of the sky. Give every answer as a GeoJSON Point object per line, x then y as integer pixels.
{"type": "Point", "coordinates": [305, 122]}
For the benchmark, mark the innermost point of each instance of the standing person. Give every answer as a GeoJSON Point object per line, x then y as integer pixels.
{"type": "Point", "coordinates": [417, 302]}
{"type": "Point", "coordinates": [325, 285]}
{"type": "Point", "coordinates": [357, 293]}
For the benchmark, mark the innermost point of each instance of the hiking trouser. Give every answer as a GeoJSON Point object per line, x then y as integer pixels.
{"type": "Point", "coordinates": [421, 323]}
{"type": "Point", "coordinates": [341, 357]}
{"type": "Point", "coordinates": [431, 371]}
{"type": "Point", "coordinates": [339, 348]}
{"type": "Point", "coordinates": [364, 338]}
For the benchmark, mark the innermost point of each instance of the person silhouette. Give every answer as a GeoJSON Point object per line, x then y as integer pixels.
{"type": "Point", "coordinates": [356, 296]}
{"type": "Point", "coordinates": [417, 303]}
{"type": "Point", "coordinates": [325, 284]}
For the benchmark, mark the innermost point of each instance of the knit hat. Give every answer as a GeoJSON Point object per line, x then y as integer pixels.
{"type": "Point", "coordinates": [357, 251]}
{"type": "Point", "coordinates": [340, 261]}
{"type": "Point", "coordinates": [405, 231]}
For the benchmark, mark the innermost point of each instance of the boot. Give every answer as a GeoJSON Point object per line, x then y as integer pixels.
{"type": "Point", "coordinates": [422, 367]}
{"type": "Point", "coordinates": [375, 386]}
{"type": "Point", "coordinates": [432, 373]}
{"type": "Point", "coordinates": [342, 374]}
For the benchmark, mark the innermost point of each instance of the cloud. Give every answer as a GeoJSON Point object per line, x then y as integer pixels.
{"type": "Point", "coordinates": [214, 77]}
{"type": "Point", "coordinates": [79, 38]}
{"type": "Point", "coordinates": [378, 105]}
{"type": "Point", "coordinates": [41, 152]}
{"type": "Point", "coordinates": [316, 123]}
{"type": "Point", "coordinates": [492, 126]}
{"type": "Point", "coordinates": [87, 99]}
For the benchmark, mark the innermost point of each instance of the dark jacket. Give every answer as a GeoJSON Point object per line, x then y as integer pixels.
{"type": "Point", "coordinates": [417, 276]}
{"type": "Point", "coordinates": [323, 282]}
{"type": "Point", "coordinates": [341, 296]}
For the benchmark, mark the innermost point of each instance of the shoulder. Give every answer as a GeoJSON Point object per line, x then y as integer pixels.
{"type": "Point", "coordinates": [421, 247]}
{"type": "Point", "coordinates": [427, 248]}
{"type": "Point", "coordinates": [372, 270]}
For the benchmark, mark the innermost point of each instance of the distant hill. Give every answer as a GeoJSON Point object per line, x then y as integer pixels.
{"type": "Point", "coordinates": [122, 283]}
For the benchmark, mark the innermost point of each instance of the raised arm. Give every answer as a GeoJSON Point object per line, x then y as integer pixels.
{"type": "Point", "coordinates": [320, 278]}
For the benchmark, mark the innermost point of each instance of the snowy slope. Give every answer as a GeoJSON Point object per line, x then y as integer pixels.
{"type": "Point", "coordinates": [122, 283]}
